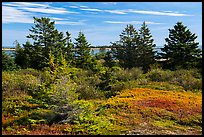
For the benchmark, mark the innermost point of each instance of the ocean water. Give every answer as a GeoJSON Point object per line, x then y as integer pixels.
{"type": "Point", "coordinates": [10, 52]}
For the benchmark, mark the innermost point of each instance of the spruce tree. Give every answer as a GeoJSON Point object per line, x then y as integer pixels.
{"type": "Point", "coordinates": [126, 48]}
{"type": "Point", "coordinates": [181, 49]}
{"type": "Point", "coordinates": [8, 63]}
{"type": "Point", "coordinates": [24, 55]}
{"type": "Point", "coordinates": [46, 38]}
{"type": "Point", "coordinates": [69, 48]}
{"type": "Point", "coordinates": [82, 49]}
{"type": "Point", "coordinates": [146, 53]}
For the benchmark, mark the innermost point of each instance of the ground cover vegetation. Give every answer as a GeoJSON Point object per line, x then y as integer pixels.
{"type": "Point", "coordinates": [56, 86]}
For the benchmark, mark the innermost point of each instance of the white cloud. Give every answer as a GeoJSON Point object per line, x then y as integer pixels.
{"type": "Point", "coordinates": [70, 22]}
{"type": "Point", "coordinates": [149, 22]}
{"type": "Point", "coordinates": [130, 22]}
{"type": "Point", "coordinates": [25, 4]}
{"type": "Point", "coordinates": [83, 6]}
{"type": "Point", "coordinates": [74, 7]}
{"type": "Point", "coordinates": [49, 10]}
{"type": "Point", "coordinates": [54, 18]}
{"type": "Point", "coordinates": [157, 13]}
{"type": "Point", "coordinates": [12, 15]}
{"type": "Point", "coordinates": [115, 11]}
{"type": "Point", "coordinates": [23, 12]}
{"type": "Point", "coordinates": [36, 7]}
{"type": "Point", "coordinates": [92, 9]}
{"type": "Point", "coordinates": [163, 13]}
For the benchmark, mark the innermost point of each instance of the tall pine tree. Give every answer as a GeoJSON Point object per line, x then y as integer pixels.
{"type": "Point", "coordinates": [126, 48]}
{"type": "Point", "coordinates": [181, 49]}
{"type": "Point", "coordinates": [69, 48]}
{"type": "Point", "coordinates": [82, 49]}
{"type": "Point", "coordinates": [24, 55]}
{"type": "Point", "coordinates": [46, 38]}
{"type": "Point", "coordinates": [146, 53]}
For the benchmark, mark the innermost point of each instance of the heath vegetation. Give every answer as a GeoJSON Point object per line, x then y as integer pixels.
{"type": "Point", "coordinates": [56, 86]}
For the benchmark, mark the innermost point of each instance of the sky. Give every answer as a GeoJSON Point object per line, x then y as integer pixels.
{"type": "Point", "coordinates": [101, 22]}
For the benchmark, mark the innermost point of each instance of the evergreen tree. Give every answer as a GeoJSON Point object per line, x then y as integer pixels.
{"type": "Point", "coordinates": [23, 56]}
{"type": "Point", "coordinates": [44, 36]}
{"type": "Point", "coordinates": [109, 61]}
{"type": "Point", "coordinates": [69, 48]}
{"type": "Point", "coordinates": [126, 48]}
{"type": "Point", "coordinates": [82, 49]}
{"type": "Point", "coordinates": [46, 39]}
{"type": "Point", "coordinates": [146, 53]}
{"type": "Point", "coordinates": [181, 50]}
{"type": "Point", "coordinates": [8, 62]}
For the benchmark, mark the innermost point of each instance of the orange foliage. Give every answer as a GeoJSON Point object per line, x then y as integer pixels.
{"type": "Point", "coordinates": [143, 104]}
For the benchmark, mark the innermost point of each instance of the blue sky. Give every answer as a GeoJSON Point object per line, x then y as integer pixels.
{"type": "Point", "coordinates": [101, 22]}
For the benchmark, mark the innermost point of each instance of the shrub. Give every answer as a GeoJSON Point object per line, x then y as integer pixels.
{"type": "Point", "coordinates": [29, 71]}
{"type": "Point", "coordinates": [187, 79]}
{"type": "Point", "coordinates": [59, 93]}
{"type": "Point", "coordinates": [15, 84]}
{"type": "Point", "coordinates": [93, 121]}
{"type": "Point", "coordinates": [87, 87]}
{"type": "Point", "coordinates": [193, 72]}
{"type": "Point", "coordinates": [159, 75]}
{"type": "Point", "coordinates": [128, 74]}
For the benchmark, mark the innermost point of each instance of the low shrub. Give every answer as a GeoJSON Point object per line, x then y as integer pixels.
{"type": "Point", "coordinates": [93, 121]}
{"type": "Point", "coordinates": [87, 87]}
{"type": "Point", "coordinates": [15, 84]}
{"type": "Point", "coordinates": [29, 71]}
{"type": "Point", "coordinates": [159, 75]}
{"type": "Point", "coordinates": [128, 74]}
{"type": "Point", "coordinates": [188, 82]}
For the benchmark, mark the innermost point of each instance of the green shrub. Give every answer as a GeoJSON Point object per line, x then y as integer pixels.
{"type": "Point", "coordinates": [87, 87]}
{"type": "Point", "coordinates": [185, 79]}
{"type": "Point", "coordinates": [15, 84]}
{"type": "Point", "coordinates": [128, 74]}
{"type": "Point", "coordinates": [61, 92]}
{"type": "Point", "coordinates": [159, 75]}
{"type": "Point", "coordinates": [193, 72]}
{"type": "Point", "coordinates": [92, 121]}
{"type": "Point", "coordinates": [29, 71]}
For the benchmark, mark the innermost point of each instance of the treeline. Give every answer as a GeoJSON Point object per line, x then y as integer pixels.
{"type": "Point", "coordinates": [51, 48]}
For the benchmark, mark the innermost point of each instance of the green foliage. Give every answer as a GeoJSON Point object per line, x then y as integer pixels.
{"type": "Point", "coordinates": [93, 122]}
{"type": "Point", "coordinates": [135, 49]}
{"type": "Point", "coordinates": [23, 110]}
{"type": "Point", "coordinates": [159, 75]}
{"type": "Point", "coordinates": [17, 84]}
{"type": "Point", "coordinates": [128, 74]}
{"type": "Point", "coordinates": [24, 55]}
{"type": "Point", "coordinates": [189, 79]}
{"type": "Point", "coordinates": [109, 60]}
{"type": "Point", "coordinates": [181, 49]}
{"type": "Point", "coordinates": [101, 54]}
{"type": "Point", "coordinates": [83, 56]}
{"type": "Point", "coordinates": [8, 63]}
{"type": "Point", "coordinates": [69, 49]}
{"type": "Point", "coordinates": [146, 53]}
{"type": "Point", "coordinates": [46, 39]}
{"type": "Point", "coordinates": [125, 49]}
